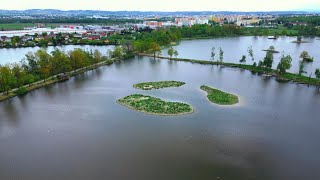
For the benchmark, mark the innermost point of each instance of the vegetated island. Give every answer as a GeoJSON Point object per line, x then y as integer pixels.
{"type": "Point", "coordinates": [158, 85]}
{"type": "Point", "coordinates": [219, 97]}
{"type": "Point", "coordinates": [155, 106]}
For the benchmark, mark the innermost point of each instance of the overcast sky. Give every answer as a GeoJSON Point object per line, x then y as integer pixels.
{"type": "Point", "coordinates": [164, 5]}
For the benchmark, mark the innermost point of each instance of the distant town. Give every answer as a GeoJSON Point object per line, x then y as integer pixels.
{"type": "Point", "coordinates": [32, 29]}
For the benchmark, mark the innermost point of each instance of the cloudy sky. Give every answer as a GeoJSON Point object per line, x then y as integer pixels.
{"type": "Point", "coordinates": [164, 5]}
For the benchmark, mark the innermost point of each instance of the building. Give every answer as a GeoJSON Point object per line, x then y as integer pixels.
{"type": "Point", "coordinates": [189, 21]}
{"type": "Point", "coordinates": [246, 21]}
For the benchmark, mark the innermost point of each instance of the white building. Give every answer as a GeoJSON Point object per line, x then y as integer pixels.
{"type": "Point", "coordinates": [189, 21]}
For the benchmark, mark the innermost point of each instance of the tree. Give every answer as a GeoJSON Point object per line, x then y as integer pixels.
{"type": "Point", "coordinates": [299, 38]}
{"type": "Point", "coordinates": [213, 54]}
{"type": "Point", "coordinates": [250, 51]}
{"type": "Point", "coordinates": [154, 48]}
{"type": "Point", "coordinates": [284, 64]}
{"type": "Point", "coordinates": [170, 52]}
{"type": "Point", "coordinates": [268, 60]}
{"type": "Point", "coordinates": [221, 55]}
{"type": "Point", "coordinates": [301, 66]}
{"type": "Point", "coordinates": [116, 53]}
{"type": "Point", "coordinates": [127, 46]}
{"type": "Point", "coordinates": [43, 58]}
{"type": "Point", "coordinates": [19, 74]}
{"type": "Point", "coordinates": [243, 59]}
{"type": "Point", "coordinates": [317, 73]}
{"type": "Point", "coordinates": [7, 79]}
{"type": "Point", "coordinates": [306, 57]}
{"type": "Point", "coordinates": [272, 48]}
{"type": "Point", "coordinates": [77, 58]}
{"type": "Point", "coordinates": [175, 53]}
{"type": "Point", "coordinates": [97, 56]}
{"type": "Point", "coordinates": [60, 62]}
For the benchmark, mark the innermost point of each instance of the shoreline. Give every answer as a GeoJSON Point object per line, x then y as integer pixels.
{"type": "Point", "coordinates": [241, 102]}
{"type": "Point", "coordinates": [51, 80]}
{"type": "Point", "coordinates": [289, 77]}
{"type": "Point", "coordinates": [208, 91]}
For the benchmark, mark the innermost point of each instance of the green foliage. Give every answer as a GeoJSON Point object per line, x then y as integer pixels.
{"type": "Point", "coordinates": [175, 53]}
{"type": "Point", "coordinates": [306, 57]}
{"type": "Point", "coordinates": [21, 90]}
{"type": "Point", "coordinates": [301, 67]}
{"type": "Point", "coordinates": [250, 52]}
{"type": "Point", "coordinates": [158, 85]}
{"type": "Point", "coordinates": [299, 38]}
{"type": "Point", "coordinates": [258, 69]}
{"type": "Point", "coordinates": [42, 65]}
{"type": "Point", "coordinates": [152, 105]}
{"type": "Point", "coordinates": [284, 64]}
{"type": "Point", "coordinates": [117, 53]}
{"type": "Point", "coordinates": [243, 59]}
{"type": "Point", "coordinates": [172, 52]}
{"type": "Point", "coordinates": [268, 59]}
{"type": "Point", "coordinates": [213, 54]}
{"type": "Point", "coordinates": [7, 79]}
{"type": "Point", "coordinates": [220, 97]}
{"type": "Point", "coordinates": [317, 73]}
{"type": "Point", "coordinates": [221, 55]}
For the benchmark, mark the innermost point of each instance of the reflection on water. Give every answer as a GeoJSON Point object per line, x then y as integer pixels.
{"type": "Point", "coordinates": [76, 130]}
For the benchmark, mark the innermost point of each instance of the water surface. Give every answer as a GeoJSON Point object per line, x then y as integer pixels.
{"type": "Point", "coordinates": [76, 130]}
{"type": "Point", "coordinates": [235, 47]}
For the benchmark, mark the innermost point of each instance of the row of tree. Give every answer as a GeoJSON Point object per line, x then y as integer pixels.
{"type": "Point", "coordinates": [284, 64]}
{"type": "Point", "coordinates": [41, 65]}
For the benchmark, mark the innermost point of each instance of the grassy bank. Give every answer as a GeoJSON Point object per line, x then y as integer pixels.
{"type": "Point", "coordinates": [158, 85]}
{"type": "Point", "coordinates": [27, 88]}
{"type": "Point", "coordinates": [219, 97]}
{"type": "Point", "coordinates": [289, 77]}
{"type": "Point", "coordinates": [156, 106]}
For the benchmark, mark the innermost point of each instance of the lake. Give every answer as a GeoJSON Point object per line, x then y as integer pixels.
{"type": "Point", "coordinates": [235, 47]}
{"type": "Point", "coordinates": [76, 130]}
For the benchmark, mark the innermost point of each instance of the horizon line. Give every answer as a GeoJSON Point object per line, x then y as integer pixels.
{"type": "Point", "coordinates": [296, 10]}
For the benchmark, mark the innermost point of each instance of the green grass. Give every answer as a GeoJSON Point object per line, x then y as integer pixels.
{"type": "Point", "coordinates": [158, 85]}
{"type": "Point", "coordinates": [152, 105]}
{"type": "Point", "coordinates": [15, 26]}
{"type": "Point", "coordinates": [220, 97]}
{"type": "Point", "coordinates": [20, 26]}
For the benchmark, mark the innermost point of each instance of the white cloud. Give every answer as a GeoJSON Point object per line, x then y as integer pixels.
{"type": "Point", "coordinates": [164, 5]}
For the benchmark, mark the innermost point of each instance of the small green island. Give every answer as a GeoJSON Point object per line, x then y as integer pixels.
{"type": "Point", "coordinates": [158, 85]}
{"type": "Point", "coordinates": [156, 106]}
{"type": "Point", "coordinates": [219, 97]}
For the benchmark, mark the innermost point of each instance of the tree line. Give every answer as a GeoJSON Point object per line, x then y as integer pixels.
{"type": "Point", "coordinates": [41, 65]}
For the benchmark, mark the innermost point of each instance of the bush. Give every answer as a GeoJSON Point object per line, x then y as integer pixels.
{"type": "Point", "coordinates": [21, 90]}
{"type": "Point", "coordinates": [109, 62]}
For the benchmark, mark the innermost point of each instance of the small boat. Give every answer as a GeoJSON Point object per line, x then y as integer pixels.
{"type": "Point", "coordinates": [272, 37]}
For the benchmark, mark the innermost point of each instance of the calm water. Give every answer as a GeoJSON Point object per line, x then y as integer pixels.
{"type": "Point", "coordinates": [235, 47]}
{"type": "Point", "coordinates": [76, 130]}
{"type": "Point", "coordinates": [12, 55]}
